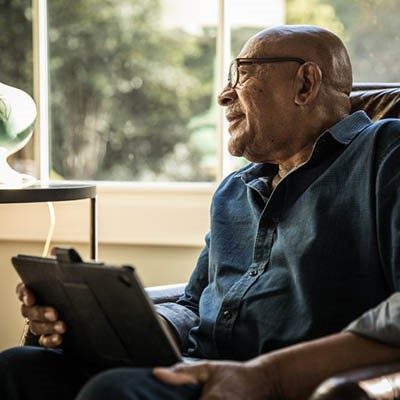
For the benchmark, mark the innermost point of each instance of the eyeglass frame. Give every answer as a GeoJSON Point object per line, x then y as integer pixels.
{"type": "Point", "coordinates": [266, 60]}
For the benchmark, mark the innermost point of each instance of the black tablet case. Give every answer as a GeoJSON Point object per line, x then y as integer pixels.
{"type": "Point", "coordinates": [110, 319]}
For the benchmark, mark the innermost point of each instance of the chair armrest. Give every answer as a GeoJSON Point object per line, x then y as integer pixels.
{"type": "Point", "coordinates": [379, 382]}
{"type": "Point", "coordinates": [166, 293]}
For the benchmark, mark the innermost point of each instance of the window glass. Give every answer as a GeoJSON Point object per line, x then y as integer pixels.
{"type": "Point", "coordinates": [16, 63]}
{"type": "Point", "coordinates": [131, 90]}
{"type": "Point", "coordinates": [369, 28]}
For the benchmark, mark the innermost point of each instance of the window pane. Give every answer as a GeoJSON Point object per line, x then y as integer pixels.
{"type": "Point", "coordinates": [369, 29]}
{"type": "Point", "coordinates": [16, 63]}
{"type": "Point", "coordinates": [132, 89]}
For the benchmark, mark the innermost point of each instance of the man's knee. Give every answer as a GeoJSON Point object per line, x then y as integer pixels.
{"type": "Point", "coordinates": [17, 359]}
{"type": "Point", "coordinates": [133, 384]}
{"type": "Point", "coordinates": [34, 372]}
{"type": "Point", "coordinates": [14, 364]}
{"type": "Point", "coordinates": [118, 383]}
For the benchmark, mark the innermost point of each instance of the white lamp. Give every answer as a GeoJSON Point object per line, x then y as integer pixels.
{"type": "Point", "coordinates": [17, 119]}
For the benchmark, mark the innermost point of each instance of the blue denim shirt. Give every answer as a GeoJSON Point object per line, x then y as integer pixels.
{"type": "Point", "coordinates": [303, 261]}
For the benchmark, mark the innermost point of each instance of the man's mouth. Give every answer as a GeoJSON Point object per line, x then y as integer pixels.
{"type": "Point", "coordinates": [233, 116]}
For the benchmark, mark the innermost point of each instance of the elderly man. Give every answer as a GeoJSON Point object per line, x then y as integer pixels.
{"type": "Point", "coordinates": [303, 241]}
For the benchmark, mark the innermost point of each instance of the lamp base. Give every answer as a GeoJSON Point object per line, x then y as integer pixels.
{"type": "Point", "coordinates": [9, 178]}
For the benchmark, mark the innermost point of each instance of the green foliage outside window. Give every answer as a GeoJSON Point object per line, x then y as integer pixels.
{"type": "Point", "coordinates": [124, 90]}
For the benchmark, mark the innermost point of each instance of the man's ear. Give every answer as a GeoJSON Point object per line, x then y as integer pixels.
{"type": "Point", "coordinates": [308, 82]}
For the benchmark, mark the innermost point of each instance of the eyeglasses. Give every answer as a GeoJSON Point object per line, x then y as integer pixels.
{"type": "Point", "coordinates": [233, 76]}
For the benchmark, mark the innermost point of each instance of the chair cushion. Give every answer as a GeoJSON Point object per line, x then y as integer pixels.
{"type": "Point", "coordinates": [166, 293]}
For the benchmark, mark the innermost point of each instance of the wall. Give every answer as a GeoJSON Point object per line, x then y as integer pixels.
{"type": "Point", "coordinates": [157, 228]}
{"type": "Point", "coordinates": [156, 265]}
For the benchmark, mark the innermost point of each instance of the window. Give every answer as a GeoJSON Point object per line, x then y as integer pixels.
{"type": "Point", "coordinates": [131, 90]}
{"type": "Point", "coordinates": [132, 84]}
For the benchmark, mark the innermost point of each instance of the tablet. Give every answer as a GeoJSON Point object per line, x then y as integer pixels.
{"type": "Point", "coordinates": [110, 319]}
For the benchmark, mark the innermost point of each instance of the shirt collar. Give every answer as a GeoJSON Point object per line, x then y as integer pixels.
{"type": "Point", "coordinates": [348, 128]}
{"type": "Point", "coordinates": [253, 171]}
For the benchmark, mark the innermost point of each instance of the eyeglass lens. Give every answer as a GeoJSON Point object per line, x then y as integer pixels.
{"type": "Point", "coordinates": [233, 74]}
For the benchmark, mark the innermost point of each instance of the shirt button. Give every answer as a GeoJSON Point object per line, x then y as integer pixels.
{"type": "Point", "coordinates": [227, 314]}
{"type": "Point", "coordinates": [253, 272]}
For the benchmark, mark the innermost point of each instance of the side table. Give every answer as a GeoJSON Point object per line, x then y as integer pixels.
{"type": "Point", "coordinates": [57, 191]}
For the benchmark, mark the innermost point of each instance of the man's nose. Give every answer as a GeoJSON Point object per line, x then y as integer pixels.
{"type": "Point", "coordinates": [227, 96]}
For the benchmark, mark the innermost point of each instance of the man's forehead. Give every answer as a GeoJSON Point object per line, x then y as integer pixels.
{"type": "Point", "coordinates": [294, 40]}
{"type": "Point", "coordinates": [264, 46]}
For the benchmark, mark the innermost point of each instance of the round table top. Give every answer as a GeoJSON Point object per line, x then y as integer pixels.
{"type": "Point", "coordinates": [50, 191]}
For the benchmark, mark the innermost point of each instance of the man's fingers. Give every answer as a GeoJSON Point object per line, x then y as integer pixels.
{"type": "Point", "coordinates": [50, 340]}
{"type": "Point", "coordinates": [201, 370]}
{"type": "Point", "coordinates": [38, 313]}
{"type": "Point", "coordinates": [174, 378]}
{"type": "Point", "coordinates": [183, 374]}
{"type": "Point", "coordinates": [47, 328]}
{"type": "Point", "coordinates": [25, 295]}
{"type": "Point", "coordinates": [19, 290]}
{"type": "Point", "coordinates": [42, 320]}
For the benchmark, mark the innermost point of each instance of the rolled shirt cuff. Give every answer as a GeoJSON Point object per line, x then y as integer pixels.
{"type": "Point", "coordinates": [181, 319]}
{"type": "Point", "coordinates": [381, 323]}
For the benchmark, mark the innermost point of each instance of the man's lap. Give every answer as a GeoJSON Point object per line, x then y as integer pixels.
{"type": "Point", "coordinates": [134, 384]}
{"type": "Point", "coordinates": [36, 373]}
{"type": "Point", "coordinates": [32, 373]}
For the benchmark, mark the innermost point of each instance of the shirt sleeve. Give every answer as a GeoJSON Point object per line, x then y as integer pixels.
{"type": "Point", "coordinates": [387, 203]}
{"type": "Point", "coordinates": [184, 314]}
{"type": "Point", "coordinates": [381, 323]}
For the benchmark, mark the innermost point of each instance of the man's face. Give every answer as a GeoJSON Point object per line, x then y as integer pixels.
{"type": "Point", "coordinates": [259, 106]}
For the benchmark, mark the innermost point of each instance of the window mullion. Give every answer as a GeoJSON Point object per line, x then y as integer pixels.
{"type": "Point", "coordinates": [41, 87]}
{"type": "Point", "coordinates": [223, 57]}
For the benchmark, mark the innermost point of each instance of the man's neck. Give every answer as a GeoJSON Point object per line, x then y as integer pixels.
{"type": "Point", "coordinates": [296, 157]}
{"type": "Point", "coordinates": [291, 164]}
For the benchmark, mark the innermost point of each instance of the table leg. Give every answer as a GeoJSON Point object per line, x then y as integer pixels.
{"type": "Point", "coordinates": [93, 228]}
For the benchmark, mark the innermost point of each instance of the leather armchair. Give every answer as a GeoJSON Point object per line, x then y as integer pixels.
{"type": "Point", "coordinates": [166, 293]}
{"type": "Point", "coordinates": [380, 100]}
{"type": "Point", "coordinates": [379, 382]}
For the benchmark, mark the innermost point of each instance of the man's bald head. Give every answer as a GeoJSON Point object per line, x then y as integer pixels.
{"type": "Point", "coordinates": [310, 43]}
{"type": "Point", "coordinates": [277, 109]}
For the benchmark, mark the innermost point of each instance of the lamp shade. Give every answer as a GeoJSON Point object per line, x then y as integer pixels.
{"type": "Point", "coordinates": [17, 119]}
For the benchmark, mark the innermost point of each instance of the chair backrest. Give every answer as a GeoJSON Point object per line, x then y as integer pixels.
{"type": "Point", "coordinates": [380, 100]}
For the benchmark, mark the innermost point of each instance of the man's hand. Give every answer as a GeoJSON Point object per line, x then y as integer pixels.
{"type": "Point", "coordinates": [223, 380]}
{"type": "Point", "coordinates": [43, 321]}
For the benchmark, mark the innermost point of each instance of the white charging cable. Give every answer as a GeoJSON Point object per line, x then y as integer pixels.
{"type": "Point", "coordinates": [50, 233]}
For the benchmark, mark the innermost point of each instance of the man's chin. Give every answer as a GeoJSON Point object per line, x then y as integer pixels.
{"type": "Point", "coordinates": [234, 149]}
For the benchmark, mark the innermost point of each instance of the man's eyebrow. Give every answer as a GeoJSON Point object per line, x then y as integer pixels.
{"type": "Point", "coordinates": [246, 65]}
